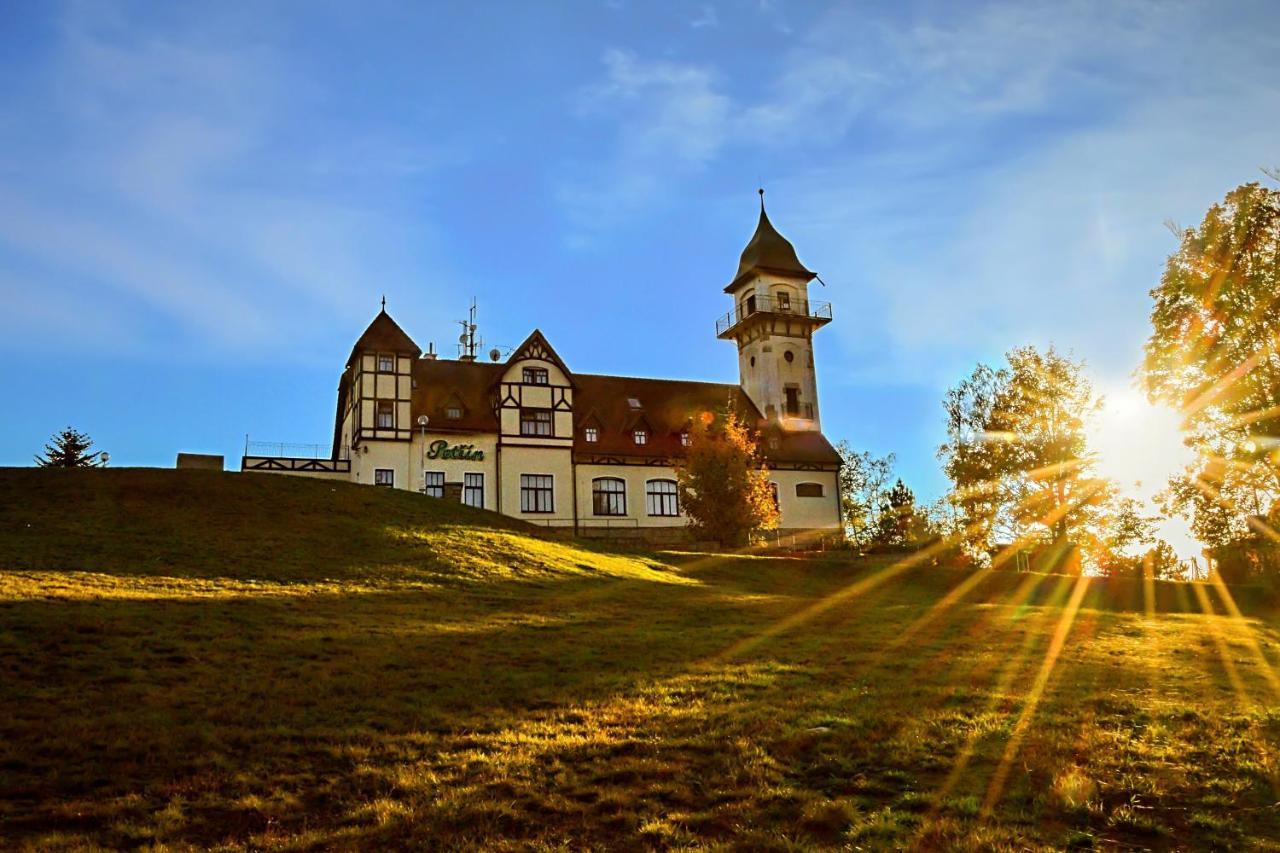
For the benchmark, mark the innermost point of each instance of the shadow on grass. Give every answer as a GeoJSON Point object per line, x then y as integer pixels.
{"type": "Point", "coordinates": [593, 712]}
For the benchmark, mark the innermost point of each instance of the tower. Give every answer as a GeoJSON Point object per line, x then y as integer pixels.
{"type": "Point", "coordinates": [772, 322]}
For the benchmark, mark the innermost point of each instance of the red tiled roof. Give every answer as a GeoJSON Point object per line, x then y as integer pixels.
{"type": "Point", "coordinates": [438, 382]}
{"type": "Point", "coordinates": [666, 409]}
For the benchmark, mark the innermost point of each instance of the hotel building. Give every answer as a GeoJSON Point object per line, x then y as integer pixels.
{"type": "Point", "coordinates": [531, 438]}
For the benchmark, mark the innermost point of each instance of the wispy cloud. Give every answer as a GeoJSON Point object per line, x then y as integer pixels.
{"type": "Point", "coordinates": [174, 185]}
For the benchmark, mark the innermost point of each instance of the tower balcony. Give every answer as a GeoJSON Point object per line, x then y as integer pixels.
{"type": "Point", "coordinates": [804, 313]}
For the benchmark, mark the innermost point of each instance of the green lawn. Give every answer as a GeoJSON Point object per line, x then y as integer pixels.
{"type": "Point", "coordinates": [195, 659]}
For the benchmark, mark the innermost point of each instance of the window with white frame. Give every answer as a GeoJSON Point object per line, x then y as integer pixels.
{"type": "Point", "coordinates": [473, 490]}
{"type": "Point", "coordinates": [433, 484]}
{"type": "Point", "coordinates": [386, 364]}
{"type": "Point", "coordinates": [608, 496]}
{"type": "Point", "coordinates": [384, 477]}
{"type": "Point", "coordinates": [386, 414]}
{"type": "Point", "coordinates": [661, 498]}
{"type": "Point", "coordinates": [453, 412]}
{"type": "Point", "coordinates": [640, 436]}
{"type": "Point", "coordinates": [685, 441]}
{"type": "Point", "coordinates": [537, 493]}
{"type": "Point", "coordinates": [535, 376]}
{"type": "Point", "coordinates": [536, 422]}
{"type": "Point", "coordinates": [591, 434]}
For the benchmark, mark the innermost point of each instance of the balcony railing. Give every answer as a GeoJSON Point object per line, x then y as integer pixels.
{"type": "Point", "coordinates": [752, 305]}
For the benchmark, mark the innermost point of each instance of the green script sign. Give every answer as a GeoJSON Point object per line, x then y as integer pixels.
{"type": "Point", "coordinates": [440, 449]}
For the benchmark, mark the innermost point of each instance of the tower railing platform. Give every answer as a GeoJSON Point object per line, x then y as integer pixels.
{"type": "Point", "coordinates": [819, 313]}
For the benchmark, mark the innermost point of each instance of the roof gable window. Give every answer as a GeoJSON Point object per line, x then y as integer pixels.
{"type": "Point", "coordinates": [535, 376]}
{"type": "Point", "coordinates": [640, 435]}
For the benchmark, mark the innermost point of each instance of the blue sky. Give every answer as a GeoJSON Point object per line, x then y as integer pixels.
{"type": "Point", "coordinates": [201, 204]}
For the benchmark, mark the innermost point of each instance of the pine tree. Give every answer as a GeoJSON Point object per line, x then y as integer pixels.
{"type": "Point", "coordinates": [70, 449]}
{"type": "Point", "coordinates": [724, 487]}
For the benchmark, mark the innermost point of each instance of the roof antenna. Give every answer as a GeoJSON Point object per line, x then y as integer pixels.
{"type": "Point", "coordinates": [468, 343]}
{"type": "Point", "coordinates": [384, 303]}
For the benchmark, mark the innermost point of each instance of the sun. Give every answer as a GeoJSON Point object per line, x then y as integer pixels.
{"type": "Point", "coordinates": [1139, 446]}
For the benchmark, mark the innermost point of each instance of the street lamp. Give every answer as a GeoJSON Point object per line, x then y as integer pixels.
{"type": "Point", "coordinates": [423, 420]}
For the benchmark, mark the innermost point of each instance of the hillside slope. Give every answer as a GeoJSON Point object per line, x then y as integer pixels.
{"type": "Point", "coordinates": [192, 660]}
{"type": "Point", "coordinates": [260, 528]}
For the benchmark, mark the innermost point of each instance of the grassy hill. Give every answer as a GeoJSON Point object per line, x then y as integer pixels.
{"type": "Point", "coordinates": [203, 659]}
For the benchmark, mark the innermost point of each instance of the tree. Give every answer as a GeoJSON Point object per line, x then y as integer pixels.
{"type": "Point", "coordinates": [1214, 355]}
{"type": "Point", "coordinates": [724, 485]}
{"type": "Point", "coordinates": [901, 524]}
{"type": "Point", "coordinates": [70, 449]}
{"type": "Point", "coordinates": [1016, 452]}
{"type": "Point", "coordinates": [1162, 562]}
{"type": "Point", "coordinates": [1126, 528]}
{"type": "Point", "coordinates": [864, 480]}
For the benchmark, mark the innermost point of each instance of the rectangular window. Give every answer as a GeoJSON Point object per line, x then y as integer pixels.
{"type": "Point", "coordinates": [641, 436]}
{"type": "Point", "coordinates": [808, 490]}
{"type": "Point", "coordinates": [386, 364]}
{"type": "Point", "coordinates": [684, 439]}
{"type": "Point", "coordinates": [473, 490]}
{"type": "Point", "coordinates": [793, 401]}
{"type": "Point", "coordinates": [384, 477]}
{"type": "Point", "coordinates": [608, 496]}
{"type": "Point", "coordinates": [537, 493]}
{"type": "Point", "coordinates": [386, 414]}
{"type": "Point", "coordinates": [453, 413]}
{"type": "Point", "coordinates": [536, 422]}
{"type": "Point", "coordinates": [536, 376]}
{"type": "Point", "coordinates": [660, 498]}
{"type": "Point", "coordinates": [784, 301]}
{"type": "Point", "coordinates": [433, 484]}
{"type": "Point", "coordinates": [773, 493]}
{"type": "Point", "coordinates": [591, 434]}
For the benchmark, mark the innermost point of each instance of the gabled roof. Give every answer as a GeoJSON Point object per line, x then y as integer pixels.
{"type": "Point", "coordinates": [536, 346]}
{"type": "Point", "coordinates": [768, 251]}
{"type": "Point", "coordinates": [385, 335]}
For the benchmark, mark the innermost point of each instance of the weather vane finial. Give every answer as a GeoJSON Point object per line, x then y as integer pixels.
{"type": "Point", "coordinates": [384, 302]}
{"type": "Point", "coordinates": [761, 191]}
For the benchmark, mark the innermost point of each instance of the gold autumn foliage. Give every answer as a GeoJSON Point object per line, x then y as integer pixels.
{"type": "Point", "coordinates": [724, 486]}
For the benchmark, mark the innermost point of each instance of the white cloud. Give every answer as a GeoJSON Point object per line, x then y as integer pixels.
{"type": "Point", "coordinates": [668, 119]}
{"type": "Point", "coordinates": [166, 186]}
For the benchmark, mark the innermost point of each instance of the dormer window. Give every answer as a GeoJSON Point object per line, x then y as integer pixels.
{"type": "Point", "coordinates": [634, 403]}
{"type": "Point", "coordinates": [684, 439]}
{"type": "Point", "coordinates": [453, 412]}
{"type": "Point", "coordinates": [386, 364]}
{"type": "Point", "coordinates": [536, 376]}
{"type": "Point", "coordinates": [640, 436]}
{"type": "Point", "coordinates": [591, 434]}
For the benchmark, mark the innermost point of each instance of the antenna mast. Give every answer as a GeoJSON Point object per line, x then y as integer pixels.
{"type": "Point", "coordinates": [468, 342]}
